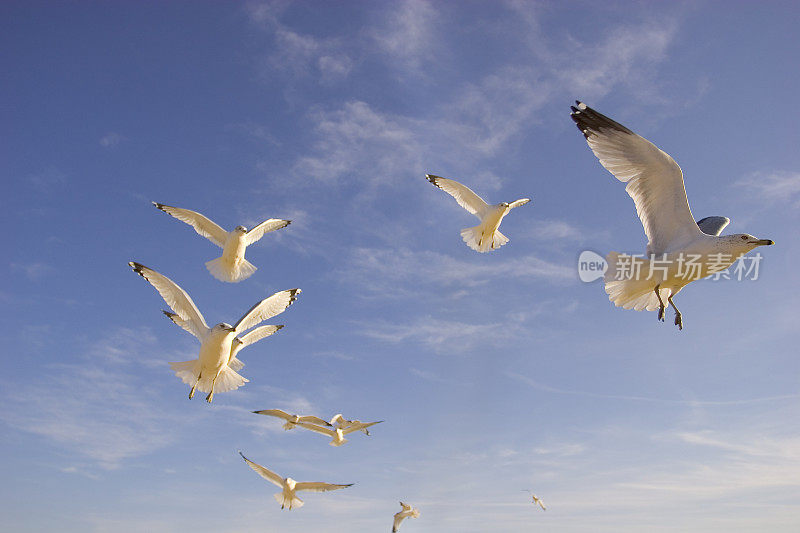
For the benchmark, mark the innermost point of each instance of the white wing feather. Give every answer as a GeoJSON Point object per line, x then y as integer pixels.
{"type": "Point", "coordinates": [465, 197]}
{"type": "Point", "coordinates": [266, 309]}
{"type": "Point", "coordinates": [177, 299]}
{"type": "Point", "coordinates": [358, 427]}
{"type": "Point", "coordinates": [202, 225]}
{"type": "Point", "coordinates": [263, 472]}
{"type": "Point", "coordinates": [318, 486]}
{"type": "Point", "coordinates": [654, 180]}
{"type": "Point", "coordinates": [272, 224]}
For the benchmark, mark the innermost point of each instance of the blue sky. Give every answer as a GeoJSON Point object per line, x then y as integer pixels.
{"type": "Point", "coordinates": [494, 372]}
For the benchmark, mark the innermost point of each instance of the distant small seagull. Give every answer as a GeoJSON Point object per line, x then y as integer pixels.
{"type": "Point", "coordinates": [342, 423]}
{"type": "Point", "coordinates": [232, 266]}
{"type": "Point", "coordinates": [338, 433]}
{"type": "Point", "coordinates": [289, 486]}
{"type": "Point", "coordinates": [485, 236]}
{"type": "Point", "coordinates": [407, 512]}
{"type": "Point", "coordinates": [679, 249]}
{"type": "Point", "coordinates": [212, 372]}
{"type": "Point", "coordinates": [536, 501]}
{"type": "Point", "coordinates": [292, 420]}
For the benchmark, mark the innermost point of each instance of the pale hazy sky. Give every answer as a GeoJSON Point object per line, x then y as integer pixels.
{"type": "Point", "coordinates": [493, 372]}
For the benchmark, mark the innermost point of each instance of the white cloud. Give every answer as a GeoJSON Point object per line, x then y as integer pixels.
{"type": "Point", "coordinates": [408, 34]}
{"type": "Point", "coordinates": [441, 335]}
{"type": "Point", "coordinates": [780, 186]}
{"type": "Point", "coordinates": [33, 271]}
{"type": "Point", "coordinates": [110, 139]}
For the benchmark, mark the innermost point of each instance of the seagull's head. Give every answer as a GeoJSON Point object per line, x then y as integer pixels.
{"type": "Point", "coordinates": [504, 204]}
{"type": "Point", "coordinates": [223, 327]}
{"type": "Point", "coordinates": [745, 241]}
{"type": "Point", "coordinates": [290, 483]}
{"type": "Point", "coordinates": [240, 229]}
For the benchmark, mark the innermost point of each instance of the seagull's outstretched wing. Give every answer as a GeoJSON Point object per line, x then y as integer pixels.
{"type": "Point", "coordinates": [713, 225]}
{"type": "Point", "coordinates": [180, 302]}
{"type": "Point", "coordinates": [517, 203]}
{"type": "Point", "coordinates": [275, 412]}
{"type": "Point", "coordinates": [265, 227]}
{"type": "Point", "coordinates": [318, 486]}
{"type": "Point", "coordinates": [201, 224]}
{"type": "Point", "coordinates": [266, 309]}
{"type": "Point", "coordinates": [245, 340]}
{"type": "Point", "coordinates": [463, 194]}
{"type": "Point", "coordinates": [317, 429]}
{"type": "Point", "coordinates": [358, 427]}
{"type": "Point", "coordinates": [263, 472]}
{"type": "Point", "coordinates": [398, 519]}
{"type": "Point", "coordinates": [654, 180]}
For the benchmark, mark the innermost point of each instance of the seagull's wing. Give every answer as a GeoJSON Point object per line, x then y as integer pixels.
{"type": "Point", "coordinates": [201, 224]}
{"type": "Point", "coordinates": [275, 412]}
{"type": "Point", "coordinates": [258, 334]}
{"type": "Point", "coordinates": [265, 227]}
{"type": "Point", "coordinates": [266, 309]}
{"type": "Point", "coordinates": [317, 429]}
{"type": "Point", "coordinates": [310, 419]}
{"type": "Point", "coordinates": [541, 504]}
{"type": "Point", "coordinates": [405, 506]}
{"type": "Point", "coordinates": [180, 302]}
{"type": "Point", "coordinates": [463, 194]}
{"type": "Point", "coordinates": [517, 203]}
{"type": "Point", "coordinates": [318, 486]}
{"type": "Point", "coordinates": [713, 225]}
{"type": "Point", "coordinates": [654, 180]}
{"type": "Point", "coordinates": [178, 321]}
{"type": "Point", "coordinates": [263, 472]}
{"type": "Point", "coordinates": [337, 418]}
{"type": "Point", "coordinates": [398, 519]}
{"type": "Point", "coordinates": [358, 427]}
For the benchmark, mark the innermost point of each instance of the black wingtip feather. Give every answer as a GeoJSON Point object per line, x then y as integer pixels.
{"type": "Point", "coordinates": [591, 122]}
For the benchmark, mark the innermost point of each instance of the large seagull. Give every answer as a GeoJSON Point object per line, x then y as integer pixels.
{"type": "Point", "coordinates": [231, 266]}
{"type": "Point", "coordinates": [679, 250]}
{"type": "Point", "coordinates": [215, 369]}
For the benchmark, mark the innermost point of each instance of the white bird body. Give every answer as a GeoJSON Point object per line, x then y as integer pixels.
{"type": "Point", "coordinates": [215, 369]}
{"type": "Point", "coordinates": [231, 266]}
{"type": "Point", "coordinates": [485, 236]}
{"type": "Point", "coordinates": [337, 433]}
{"type": "Point", "coordinates": [340, 421]}
{"type": "Point", "coordinates": [679, 250]}
{"type": "Point", "coordinates": [406, 512]}
{"type": "Point", "coordinates": [289, 487]}
{"type": "Point", "coordinates": [536, 501]}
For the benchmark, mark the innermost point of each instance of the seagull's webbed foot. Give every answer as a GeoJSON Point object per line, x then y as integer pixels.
{"type": "Point", "coordinates": [661, 307]}
{"type": "Point", "coordinates": [191, 392]}
{"type": "Point", "coordinates": [210, 397]}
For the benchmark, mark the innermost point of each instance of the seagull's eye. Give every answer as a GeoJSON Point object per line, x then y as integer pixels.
{"type": "Point", "coordinates": [744, 237]}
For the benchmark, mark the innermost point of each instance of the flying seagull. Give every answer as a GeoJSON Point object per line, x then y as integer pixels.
{"type": "Point", "coordinates": [679, 250]}
{"type": "Point", "coordinates": [485, 236]}
{"type": "Point", "coordinates": [289, 487]}
{"type": "Point", "coordinates": [536, 501]}
{"type": "Point", "coordinates": [212, 371]}
{"type": "Point", "coordinates": [337, 433]}
{"type": "Point", "coordinates": [342, 423]}
{"type": "Point", "coordinates": [232, 266]}
{"type": "Point", "coordinates": [406, 512]}
{"type": "Point", "coordinates": [292, 420]}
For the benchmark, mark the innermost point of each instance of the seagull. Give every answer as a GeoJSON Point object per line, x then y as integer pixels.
{"type": "Point", "coordinates": [485, 236]}
{"type": "Point", "coordinates": [341, 422]}
{"type": "Point", "coordinates": [338, 433]}
{"type": "Point", "coordinates": [292, 420]}
{"type": "Point", "coordinates": [232, 266]}
{"type": "Point", "coordinates": [407, 512]}
{"type": "Point", "coordinates": [679, 250]}
{"type": "Point", "coordinates": [289, 486]}
{"type": "Point", "coordinates": [536, 501]}
{"type": "Point", "coordinates": [212, 371]}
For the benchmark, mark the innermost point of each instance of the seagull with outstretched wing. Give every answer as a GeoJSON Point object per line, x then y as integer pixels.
{"type": "Point", "coordinates": [289, 487]}
{"type": "Point", "coordinates": [406, 512]}
{"type": "Point", "coordinates": [338, 433]}
{"type": "Point", "coordinates": [212, 371]}
{"type": "Point", "coordinates": [231, 266]}
{"type": "Point", "coordinates": [293, 420]}
{"type": "Point", "coordinates": [485, 236]}
{"type": "Point", "coordinates": [679, 250]}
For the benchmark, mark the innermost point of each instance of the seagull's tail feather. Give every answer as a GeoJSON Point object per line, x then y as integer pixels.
{"type": "Point", "coordinates": [289, 503]}
{"type": "Point", "coordinates": [632, 290]}
{"type": "Point", "coordinates": [475, 239]}
{"type": "Point", "coordinates": [339, 443]}
{"type": "Point", "coordinates": [232, 273]}
{"type": "Point", "coordinates": [236, 364]}
{"type": "Point", "coordinates": [227, 380]}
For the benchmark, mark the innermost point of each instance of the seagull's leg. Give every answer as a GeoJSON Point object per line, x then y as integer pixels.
{"type": "Point", "coordinates": [661, 307]}
{"type": "Point", "coordinates": [210, 396]}
{"type": "Point", "coordinates": [678, 319]}
{"type": "Point", "coordinates": [191, 392]}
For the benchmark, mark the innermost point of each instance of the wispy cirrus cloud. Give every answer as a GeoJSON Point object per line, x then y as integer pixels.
{"type": "Point", "coordinates": [406, 34]}
{"type": "Point", "coordinates": [779, 186]}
